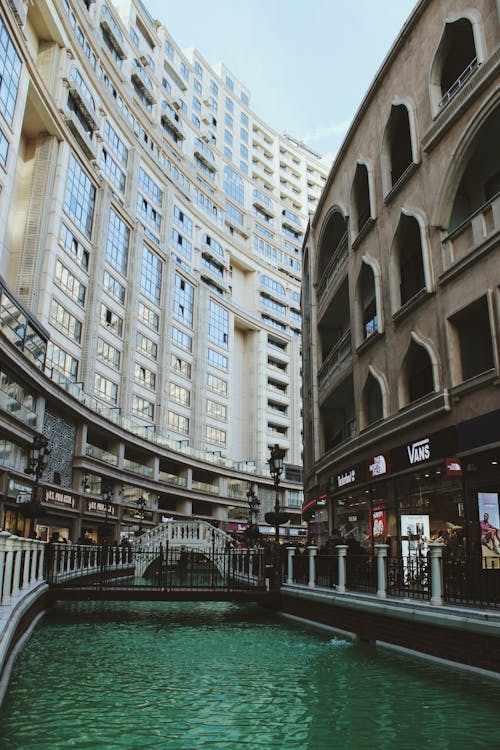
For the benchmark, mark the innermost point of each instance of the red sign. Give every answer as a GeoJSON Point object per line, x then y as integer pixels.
{"type": "Point", "coordinates": [453, 467]}
{"type": "Point", "coordinates": [379, 524]}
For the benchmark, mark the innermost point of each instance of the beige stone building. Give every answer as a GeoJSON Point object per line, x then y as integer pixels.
{"type": "Point", "coordinates": [150, 259]}
{"type": "Point", "coordinates": [401, 296]}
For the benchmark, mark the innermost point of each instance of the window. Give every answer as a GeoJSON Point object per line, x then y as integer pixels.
{"type": "Point", "coordinates": [218, 324]}
{"type": "Point", "coordinates": [216, 410]}
{"type": "Point", "coordinates": [228, 120]}
{"type": "Point", "coordinates": [115, 143]}
{"type": "Point", "coordinates": [198, 69]}
{"type": "Point", "coordinates": [233, 185]}
{"type": "Point", "coordinates": [361, 197]}
{"type": "Point", "coordinates": [244, 99]}
{"type": "Point", "coordinates": [367, 302]}
{"type": "Point", "coordinates": [214, 88]}
{"type": "Point", "coordinates": [471, 346]}
{"type": "Point", "coordinates": [183, 301]}
{"type": "Point", "coordinates": [113, 287]}
{"type": "Point", "coordinates": [142, 408]}
{"type": "Point", "coordinates": [4, 148]}
{"type": "Point", "coordinates": [372, 401]}
{"type": "Point", "coordinates": [108, 354]}
{"type": "Point", "coordinates": [244, 119]}
{"type": "Point", "coordinates": [65, 322]}
{"type": "Point", "coordinates": [196, 104]}
{"type": "Point", "coordinates": [179, 394]}
{"type": "Point", "coordinates": [228, 153]}
{"type": "Point", "coordinates": [144, 376]}
{"type": "Point", "coordinates": [217, 359]}
{"type": "Point", "coordinates": [146, 210]}
{"type": "Point", "coordinates": [111, 320]}
{"type": "Point", "coordinates": [80, 197]}
{"type": "Point", "coordinates": [181, 244]}
{"type": "Point", "coordinates": [272, 284]}
{"type": "Point", "coordinates": [146, 346]}
{"type": "Point", "coordinates": [228, 138]}
{"type": "Point", "coordinates": [60, 360]}
{"type": "Point", "coordinates": [178, 423]}
{"type": "Point", "coordinates": [455, 62]}
{"type": "Point", "coordinates": [217, 385]}
{"type": "Point", "coordinates": [105, 389]}
{"type": "Point", "coordinates": [151, 274]}
{"type": "Point", "coordinates": [185, 70]}
{"type": "Point", "coordinates": [214, 435]}
{"type": "Point", "coordinates": [181, 339]}
{"type": "Point", "coordinates": [117, 243]}
{"type": "Point", "coordinates": [180, 366]}
{"type": "Point", "coordinates": [69, 284]}
{"type": "Point", "coordinates": [10, 73]}
{"type": "Point", "coordinates": [148, 317]}
{"type": "Point", "coordinates": [115, 174]}
{"type": "Point", "coordinates": [397, 142]}
{"type": "Point", "coordinates": [183, 221]}
{"type": "Point", "coordinates": [150, 187]}
{"type": "Point", "coordinates": [408, 258]}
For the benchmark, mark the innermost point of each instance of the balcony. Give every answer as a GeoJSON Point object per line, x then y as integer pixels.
{"type": "Point", "coordinates": [476, 233]}
{"type": "Point", "coordinates": [93, 451]}
{"type": "Point", "coordinates": [166, 478]}
{"type": "Point", "coordinates": [339, 357]}
{"type": "Point", "coordinates": [16, 409]}
{"type": "Point", "coordinates": [333, 270]}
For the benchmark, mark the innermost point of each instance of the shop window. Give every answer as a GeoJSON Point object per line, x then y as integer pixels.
{"type": "Point", "coordinates": [471, 348]}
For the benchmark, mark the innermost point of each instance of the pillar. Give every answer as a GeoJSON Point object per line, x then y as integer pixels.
{"type": "Point", "coordinates": [436, 571]}
{"type": "Point", "coordinates": [382, 570]}
{"type": "Point", "coordinates": [313, 551]}
{"type": "Point", "coordinates": [291, 553]}
{"type": "Point", "coordinates": [342, 553]}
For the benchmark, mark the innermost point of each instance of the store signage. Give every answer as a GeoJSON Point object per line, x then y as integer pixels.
{"type": "Point", "coordinates": [16, 488]}
{"type": "Point", "coordinates": [419, 451]}
{"type": "Point", "coordinates": [347, 478]}
{"type": "Point", "coordinates": [94, 506]}
{"type": "Point", "coordinates": [23, 497]}
{"type": "Point", "coordinates": [379, 524]}
{"type": "Point", "coordinates": [62, 498]}
{"type": "Point", "coordinates": [453, 467]}
{"type": "Point", "coordinates": [378, 465]}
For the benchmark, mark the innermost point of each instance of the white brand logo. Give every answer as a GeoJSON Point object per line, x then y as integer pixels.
{"type": "Point", "coordinates": [347, 478]}
{"type": "Point", "coordinates": [378, 466]}
{"type": "Point", "coordinates": [420, 451]}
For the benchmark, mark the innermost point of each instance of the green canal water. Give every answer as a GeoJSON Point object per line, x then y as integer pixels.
{"type": "Point", "coordinates": [218, 676]}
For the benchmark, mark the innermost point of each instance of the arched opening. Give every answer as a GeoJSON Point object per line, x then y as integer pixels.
{"type": "Point", "coordinates": [333, 238]}
{"type": "Point", "coordinates": [417, 379]}
{"type": "Point", "coordinates": [361, 213]}
{"type": "Point", "coordinates": [480, 181]}
{"type": "Point", "coordinates": [408, 262]}
{"type": "Point", "coordinates": [367, 302]}
{"type": "Point", "coordinates": [456, 58]}
{"type": "Point", "coordinates": [373, 405]}
{"type": "Point", "coordinates": [398, 141]}
{"type": "Point", "coordinates": [471, 341]}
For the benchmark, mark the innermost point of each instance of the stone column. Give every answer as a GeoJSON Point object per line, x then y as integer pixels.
{"type": "Point", "coordinates": [9, 564]}
{"type": "Point", "coordinates": [291, 553]}
{"type": "Point", "coordinates": [16, 576]}
{"type": "Point", "coordinates": [342, 553]}
{"type": "Point", "coordinates": [382, 570]}
{"type": "Point", "coordinates": [4, 535]}
{"type": "Point", "coordinates": [27, 551]}
{"type": "Point", "coordinates": [313, 551]}
{"type": "Point", "coordinates": [436, 572]}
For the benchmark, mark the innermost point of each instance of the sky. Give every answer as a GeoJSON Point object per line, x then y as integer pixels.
{"type": "Point", "coordinates": [308, 65]}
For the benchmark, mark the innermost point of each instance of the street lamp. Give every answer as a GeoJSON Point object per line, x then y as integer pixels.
{"type": "Point", "coordinates": [37, 465]}
{"type": "Point", "coordinates": [141, 504]}
{"type": "Point", "coordinates": [251, 533]}
{"type": "Point", "coordinates": [276, 470]}
{"type": "Point", "coordinates": [106, 496]}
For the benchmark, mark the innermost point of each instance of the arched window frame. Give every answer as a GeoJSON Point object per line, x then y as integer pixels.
{"type": "Point", "coordinates": [355, 232]}
{"type": "Point", "coordinates": [394, 267]}
{"type": "Point", "coordinates": [336, 208]}
{"type": "Point", "coordinates": [387, 186]}
{"type": "Point", "coordinates": [358, 306]}
{"type": "Point", "coordinates": [403, 381]}
{"type": "Point", "coordinates": [384, 390]}
{"type": "Point", "coordinates": [476, 21]}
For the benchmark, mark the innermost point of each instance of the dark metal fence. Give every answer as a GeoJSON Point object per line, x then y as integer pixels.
{"type": "Point", "coordinates": [409, 577]}
{"type": "Point", "coordinates": [122, 568]}
{"type": "Point", "coordinates": [473, 582]}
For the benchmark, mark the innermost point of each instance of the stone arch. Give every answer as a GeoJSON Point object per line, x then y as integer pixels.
{"type": "Point", "coordinates": [362, 301]}
{"type": "Point", "coordinates": [411, 222]}
{"type": "Point", "coordinates": [332, 235]}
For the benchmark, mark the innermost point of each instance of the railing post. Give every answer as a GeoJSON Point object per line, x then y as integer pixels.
{"type": "Point", "coordinates": [436, 552]}
{"type": "Point", "coordinates": [313, 551]}
{"type": "Point", "coordinates": [27, 551]}
{"type": "Point", "coordinates": [9, 564]}
{"type": "Point", "coordinates": [4, 535]}
{"type": "Point", "coordinates": [342, 553]}
{"type": "Point", "coordinates": [41, 560]}
{"type": "Point", "coordinates": [35, 551]}
{"type": "Point", "coordinates": [291, 554]}
{"type": "Point", "coordinates": [16, 577]}
{"type": "Point", "coordinates": [382, 570]}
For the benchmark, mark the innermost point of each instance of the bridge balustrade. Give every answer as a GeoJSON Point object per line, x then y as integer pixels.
{"type": "Point", "coordinates": [21, 565]}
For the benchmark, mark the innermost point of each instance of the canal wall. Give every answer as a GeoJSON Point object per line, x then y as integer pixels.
{"type": "Point", "coordinates": [464, 637]}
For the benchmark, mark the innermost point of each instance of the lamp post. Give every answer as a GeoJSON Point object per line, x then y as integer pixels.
{"type": "Point", "coordinates": [141, 504]}
{"type": "Point", "coordinates": [106, 495]}
{"type": "Point", "coordinates": [276, 470]}
{"type": "Point", "coordinates": [37, 464]}
{"type": "Point", "coordinates": [251, 533]}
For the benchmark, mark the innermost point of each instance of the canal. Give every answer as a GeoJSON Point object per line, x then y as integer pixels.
{"type": "Point", "coordinates": [196, 676]}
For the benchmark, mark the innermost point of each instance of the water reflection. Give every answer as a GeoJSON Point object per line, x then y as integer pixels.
{"type": "Point", "coordinates": [187, 676]}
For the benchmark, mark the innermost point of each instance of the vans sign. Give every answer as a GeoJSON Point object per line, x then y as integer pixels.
{"type": "Point", "coordinates": [420, 451]}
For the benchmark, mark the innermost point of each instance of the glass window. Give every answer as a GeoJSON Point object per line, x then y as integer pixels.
{"type": "Point", "coordinates": [217, 385]}
{"type": "Point", "coordinates": [65, 322]}
{"type": "Point", "coordinates": [217, 359]}
{"type": "Point", "coordinates": [117, 243]}
{"type": "Point", "coordinates": [4, 148]}
{"type": "Point", "coordinates": [183, 221]}
{"type": "Point", "coordinates": [180, 366]}
{"type": "Point", "coordinates": [244, 99]}
{"type": "Point", "coordinates": [151, 273]}
{"type": "Point", "coordinates": [214, 435]}
{"type": "Point", "coordinates": [218, 324]}
{"type": "Point", "coordinates": [244, 119]}
{"type": "Point", "coordinates": [148, 317]}
{"type": "Point", "coordinates": [228, 120]}
{"type": "Point", "coordinates": [108, 354]}
{"type": "Point", "coordinates": [69, 284]}
{"type": "Point", "coordinates": [115, 143]}
{"type": "Point", "coordinates": [233, 185]}
{"type": "Point", "coordinates": [183, 301]}
{"type": "Point", "coordinates": [113, 287]}
{"type": "Point", "coordinates": [111, 168]}
{"type": "Point", "coordinates": [60, 360]}
{"type": "Point", "coordinates": [144, 376]}
{"type": "Point", "coordinates": [10, 72]}
{"type": "Point", "coordinates": [105, 389]}
{"type": "Point", "coordinates": [179, 394]}
{"type": "Point", "coordinates": [228, 153]}
{"type": "Point", "coordinates": [181, 339]}
{"type": "Point", "coordinates": [111, 320]}
{"type": "Point", "coordinates": [198, 69]}
{"type": "Point", "coordinates": [185, 70]}
{"type": "Point", "coordinates": [150, 187]}
{"type": "Point", "coordinates": [229, 104]}
{"type": "Point", "coordinates": [244, 135]}
{"type": "Point", "coordinates": [146, 346]}
{"type": "Point", "coordinates": [146, 210]}
{"type": "Point", "coordinates": [178, 422]}
{"type": "Point", "coordinates": [216, 410]}
{"type": "Point", "coordinates": [228, 137]}
{"type": "Point", "coordinates": [142, 408]}
{"type": "Point", "coordinates": [80, 197]}
{"type": "Point", "coordinates": [181, 244]}
{"type": "Point", "coordinates": [196, 104]}
{"type": "Point", "coordinates": [214, 88]}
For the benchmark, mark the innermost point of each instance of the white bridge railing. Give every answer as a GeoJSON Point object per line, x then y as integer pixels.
{"type": "Point", "coordinates": [21, 566]}
{"type": "Point", "coordinates": [193, 534]}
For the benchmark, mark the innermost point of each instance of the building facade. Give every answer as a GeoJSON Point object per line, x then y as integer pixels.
{"type": "Point", "coordinates": [401, 299]}
{"type": "Point", "coordinates": [150, 264]}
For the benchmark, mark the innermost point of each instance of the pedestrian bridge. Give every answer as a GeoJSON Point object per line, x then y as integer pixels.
{"type": "Point", "coordinates": [175, 560]}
